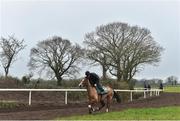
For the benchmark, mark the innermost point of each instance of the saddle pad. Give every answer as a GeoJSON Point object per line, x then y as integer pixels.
{"type": "Point", "coordinates": [105, 89]}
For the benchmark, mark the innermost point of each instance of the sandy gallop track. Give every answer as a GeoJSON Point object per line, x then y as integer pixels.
{"type": "Point", "coordinates": [47, 112]}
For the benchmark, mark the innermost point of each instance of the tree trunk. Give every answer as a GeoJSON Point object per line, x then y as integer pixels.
{"type": "Point", "coordinates": [6, 71]}
{"type": "Point", "coordinates": [119, 76]}
{"type": "Point", "coordinates": [124, 85]}
{"type": "Point", "coordinates": [59, 79]}
{"type": "Point", "coordinates": [123, 82]}
{"type": "Point", "coordinates": [104, 73]}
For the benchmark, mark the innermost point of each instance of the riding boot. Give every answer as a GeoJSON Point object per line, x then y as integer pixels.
{"type": "Point", "coordinates": [102, 91]}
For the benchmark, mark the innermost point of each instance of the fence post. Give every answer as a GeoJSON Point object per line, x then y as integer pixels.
{"type": "Point", "coordinates": [150, 93]}
{"type": "Point", "coordinates": [65, 97]}
{"type": "Point", "coordinates": [156, 93]}
{"type": "Point", "coordinates": [29, 97]}
{"type": "Point", "coordinates": [131, 96]}
{"type": "Point", "coordinates": [144, 93]}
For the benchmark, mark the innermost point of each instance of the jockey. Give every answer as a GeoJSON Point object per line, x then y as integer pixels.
{"type": "Point", "coordinates": [94, 80]}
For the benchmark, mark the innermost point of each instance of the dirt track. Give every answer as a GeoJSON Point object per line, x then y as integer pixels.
{"type": "Point", "coordinates": [46, 112]}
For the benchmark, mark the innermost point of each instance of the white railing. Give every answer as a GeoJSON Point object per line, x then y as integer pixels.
{"type": "Point", "coordinates": [78, 90]}
{"type": "Point", "coordinates": [156, 92]}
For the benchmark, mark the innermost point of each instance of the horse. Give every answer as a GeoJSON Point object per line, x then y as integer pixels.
{"type": "Point", "coordinates": [94, 98]}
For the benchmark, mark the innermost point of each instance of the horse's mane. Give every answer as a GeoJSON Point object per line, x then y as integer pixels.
{"type": "Point", "coordinates": [89, 82]}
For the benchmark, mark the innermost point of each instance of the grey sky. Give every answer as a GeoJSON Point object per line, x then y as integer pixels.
{"type": "Point", "coordinates": [35, 20]}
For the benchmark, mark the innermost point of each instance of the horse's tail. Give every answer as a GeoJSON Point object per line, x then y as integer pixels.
{"type": "Point", "coordinates": [118, 99]}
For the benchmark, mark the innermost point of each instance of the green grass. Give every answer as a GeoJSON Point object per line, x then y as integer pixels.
{"type": "Point", "coordinates": [8, 104]}
{"type": "Point", "coordinates": [164, 113]}
{"type": "Point", "coordinates": [172, 89]}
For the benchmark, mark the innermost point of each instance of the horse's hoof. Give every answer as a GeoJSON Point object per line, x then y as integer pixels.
{"type": "Point", "coordinates": [97, 108]}
{"type": "Point", "coordinates": [107, 110]}
{"type": "Point", "coordinates": [90, 112]}
{"type": "Point", "coordinates": [93, 110]}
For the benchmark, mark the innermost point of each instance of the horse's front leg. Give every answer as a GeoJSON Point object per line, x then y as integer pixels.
{"type": "Point", "coordinates": [102, 104]}
{"type": "Point", "coordinates": [90, 108]}
{"type": "Point", "coordinates": [101, 100]}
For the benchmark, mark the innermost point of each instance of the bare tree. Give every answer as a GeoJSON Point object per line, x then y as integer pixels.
{"type": "Point", "coordinates": [98, 57]}
{"type": "Point", "coordinates": [10, 47]}
{"type": "Point", "coordinates": [56, 55]}
{"type": "Point", "coordinates": [127, 48]}
{"type": "Point", "coordinates": [172, 80]}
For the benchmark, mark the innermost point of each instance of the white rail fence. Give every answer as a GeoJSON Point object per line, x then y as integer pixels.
{"type": "Point", "coordinates": [155, 91]}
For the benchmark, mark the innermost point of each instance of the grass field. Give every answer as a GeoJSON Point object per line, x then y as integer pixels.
{"type": "Point", "coordinates": [172, 89]}
{"type": "Point", "coordinates": [164, 113]}
{"type": "Point", "coordinates": [7, 104]}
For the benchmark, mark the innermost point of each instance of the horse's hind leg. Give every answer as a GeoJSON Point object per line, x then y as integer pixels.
{"type": "Point", "coordinates": [102, 104]}
{"type": "Point", "coordinates": [108, 104]}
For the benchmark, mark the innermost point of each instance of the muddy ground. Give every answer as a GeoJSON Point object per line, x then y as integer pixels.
{"type": "Point", "coordinates": [46, 110]}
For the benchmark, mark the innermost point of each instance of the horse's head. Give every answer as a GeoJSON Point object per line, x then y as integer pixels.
{"type": "Point", "coordinates": [84, 82]}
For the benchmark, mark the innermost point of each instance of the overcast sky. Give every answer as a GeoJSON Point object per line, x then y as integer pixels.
{"type": "Point", "coordinates": [35, 20]}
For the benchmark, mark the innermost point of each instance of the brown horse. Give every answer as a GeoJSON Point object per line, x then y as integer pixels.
{"type": "Point", "coordinates": [95, 98]}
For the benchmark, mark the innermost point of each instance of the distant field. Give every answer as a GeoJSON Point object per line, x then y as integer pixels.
{"type": "Point", "coordinates": [164, 113]}
{"type": "Point", "coordinates": [172, 89]}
